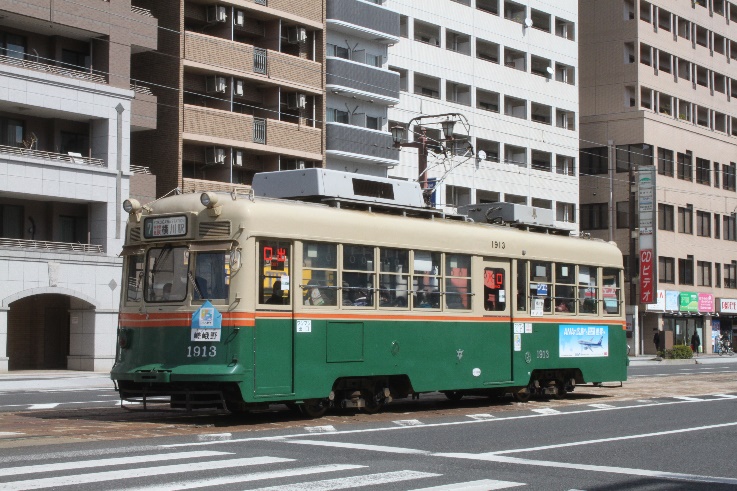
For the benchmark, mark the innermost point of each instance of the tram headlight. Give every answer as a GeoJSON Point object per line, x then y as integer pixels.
{"type": "Point", "coordinates": [132, 206]}
{"type": "Point", "coordinates": [209, 200]}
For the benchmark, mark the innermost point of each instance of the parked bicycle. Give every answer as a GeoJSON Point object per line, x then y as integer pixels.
{"type": "Point", "coordinates": [725, 347]}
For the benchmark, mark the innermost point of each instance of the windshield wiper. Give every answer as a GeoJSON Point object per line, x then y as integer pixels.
{"type": "Point", "coordinates": [195, 284]}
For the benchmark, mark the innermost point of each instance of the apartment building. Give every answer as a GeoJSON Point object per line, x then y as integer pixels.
{"type": "Point", "coordinates": [359, 86]}
{"type": "Point", "coordinates": [240, 87]}
{"type": "Point", "coordinates": [67, 113]}
{"type": "Point", "coordinates": [509, 68]}
{"type": "Point", "coordinates": [658, 81]}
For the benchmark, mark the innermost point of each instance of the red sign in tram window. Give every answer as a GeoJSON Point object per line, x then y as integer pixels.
{"type": "Point", "coordinates": [647, 277]}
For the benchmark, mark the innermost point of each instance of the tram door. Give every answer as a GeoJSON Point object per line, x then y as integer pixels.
{"type": "Point", "coordinates": [497, 307]}
{"type": "Point", "coordinates": [273, 334]}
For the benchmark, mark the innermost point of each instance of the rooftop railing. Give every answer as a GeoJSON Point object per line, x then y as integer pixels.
{"type": "Point", "coordinates": [59, 157]}
{"type": "Point", "coordinates": [50, 246]}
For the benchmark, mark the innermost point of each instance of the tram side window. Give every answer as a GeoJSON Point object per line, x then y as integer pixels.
{"type": "Point", "coordinates": [320, 274]}
{"type": "Point", "coordinates": [274, 271]}
{"type": "Point", "coordinates": [212, 276]}
{"type": "Point", "coordinates": [394, 277]}
{"type": "Point", "coordinates": [541, 278]}
{"type": "Point", "coordinates": [588, 292]}
{"type": "Point", "coordinates": [611, 290]}
{"type": "Point", "coordinates": [166, 274]}
{"type": "Point", "coordinates": [565, 288]}
{"type": "Point", "coordinates": [134, 280]}
{"type": "Point", "coordinates": [495, 298]}
{"type": "Point", "coordinates": [357, 289]}
{"type": "Point", "coordinates": [521, 286]}
{"type": "Point", "coordinates": [457, 282]}
{"type": "Point", "coordinates": [426, 280]}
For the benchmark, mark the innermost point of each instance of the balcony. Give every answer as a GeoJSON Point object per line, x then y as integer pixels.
{"type": "Point", "coordinates": [244, 131]}
{"type": "Point", "coordinates": [256, 63]}
{"type": "Point", "coordinates": [190, 185]}
{"type": "Point", "coordinates": [355, 142]}
{"type": "Point", "coordinates": [364, 20]}
{"type": "Point", "coordinates": [48, 67]}
{"type": "Point", "coordinates": [143, 108]}
{"type": "Point", "coordinates": [46, 246]}
{"type": "Point", "coordinates": [357, 78]}
{"type": "Point", "coordinates": [56, 157]}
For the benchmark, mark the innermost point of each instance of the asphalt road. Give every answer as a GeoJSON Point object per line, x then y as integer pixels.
{"type": "Point", "coordinates": [658, 443]}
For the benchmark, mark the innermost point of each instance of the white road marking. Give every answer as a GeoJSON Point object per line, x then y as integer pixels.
{"type": "Point", "coordinates": [5, 434]}
{"type": "Point", "coordinates": [687, 398]}
{"type": "Point", "coordinates": [257, 476]}
{"type": "Point", "coordinates": [361, 446]}
{"type": "Point", "coordinates": [214, 437]}
{"type": "Point", "coordinates": [725, 396]}
{"type": "Point", "coordinates": [546, 411]}
{"type": "Point", "coordinates": [482, 416]}
{"type": "Point", "coordinates": [78, 479]}
{"type": "Point", "coordinates": [44, 406]}
{"type": "Point", "coordinates": [483, 485]}
{"type": "Point", "coordinates": [602, 406]}
{"type": "Point", "coordinates": [89, 464]}
{"type": "Point", "coordinates": [408, 422]}
{"type": "Point", "coordinates": [320, 429]}
{"type": "Point", "coordinates": [352, 482]}
{"type": "Point", "coordinates": [600, 468]}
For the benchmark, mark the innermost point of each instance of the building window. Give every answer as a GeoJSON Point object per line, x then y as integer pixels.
{"type": "Point", "coordinates": [623, 214]}
{"type": "Point", "coordinates": [716, 175]}
{"type": "Point", "coordinates": [728, 176]}
{"type": "Point", "coordinates": [74, 143]}
{"type": "Point", "coordinates": [717, 226]}
{"type": "Point", "coordinates": [728, 227]}
{"type": "Point", "coordinates": [717, 275]}
{"type": "Point", "coordinates": [594, 161]}
{"type": "Point", "coordinates": [685, 166]}
{"type": "Point", "coordinates": [11, 132]}
{"type": "Point", "coordinates": [665, 162]}
{"type": "Point", "coordinates": [565, 212]}
{"type": "Point", "coordinates": [594, 216]}
{"type": "Point", "coordinates": [665, 217]}
{"type": "Point", "coordinates": [730, 275]}
{"type": "Point", "coordinates": [337, 116]}
{"type": "Point", "coordinates": [11, 221]}
{"type": "Point", "coordinates": [337, 51]}
{"type": "Point", "coordinates": [703, 224]}
{"type": "Point", "coordinates": [703, 171]}
{"type": "Point", "coordinates": [703, 269]}
{"type": "Point", "coordinates": [666, 270]}
{"type": "Point", "coordinates": [685, 271]}
{"type": "Point", "coordinates": [632, 156]}
{"type": "Point", "coordinates": [75, 59]}
{"type": "Point", "coordinates": [13, 45]}
{"type": "Point", "coordinates": [685, 219]}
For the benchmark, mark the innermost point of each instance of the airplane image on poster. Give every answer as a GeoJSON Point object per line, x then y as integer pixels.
{"type": "Point", "coordinates": [577, 341]}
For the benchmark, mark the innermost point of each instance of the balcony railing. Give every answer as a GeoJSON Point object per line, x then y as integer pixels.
{"type": "Point", "coordinates": [259, 130]}
{"type": "Point", "coordinates": [55, 70]}
{"type": "Point", "coordinates": [259, 60]}
{"type": "Point", "coordinates": [141, 11]}
{"type": "Point", "coordinates": [50, 246]}
{"type": "Point", "coordinates": [59, 157]}
{"type": "Point", "coordinates": [190, 185]}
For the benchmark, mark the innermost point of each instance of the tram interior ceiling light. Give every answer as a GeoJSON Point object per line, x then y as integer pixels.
{"type": "Point", "coordinates": [209, 200]}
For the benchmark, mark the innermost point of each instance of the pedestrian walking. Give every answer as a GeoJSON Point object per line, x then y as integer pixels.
{"type": "Point", "coordinates": [656, 340]}
{"type": "Point", "coordinates": [695, 342]}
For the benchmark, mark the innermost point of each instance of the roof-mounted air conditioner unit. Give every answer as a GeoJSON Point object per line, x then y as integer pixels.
{"type": "Point", "coordinates": [214, 155]}
{"type": "Point", "coordinates": [296, 100]}
{"type": "Point", "coordinates": [238, 87]}
{"type": "Point", "coordinates": [215, 84]}
{"type": "Point", "coordinates": [296, 34]}
{"type": "Point", "coordinates": [238, 158]}
{"type": "Point", "coordinates": [239, 19]}
{"type": "Point", "coordinates": [216, 13]}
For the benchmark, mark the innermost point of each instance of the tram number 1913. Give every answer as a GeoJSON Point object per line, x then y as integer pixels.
{"type": "Point", "coordinates": [201, 351]}
{"type": "Point", "coordinates": [543, 353]}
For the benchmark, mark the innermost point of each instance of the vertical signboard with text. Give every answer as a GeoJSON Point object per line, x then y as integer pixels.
{"type": "Point", "coordinates": [646, 212]}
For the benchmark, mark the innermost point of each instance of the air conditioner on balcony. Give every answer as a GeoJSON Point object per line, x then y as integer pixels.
{"type": "Point", "coordinates": [216, 13]}
{"type": "Point", "coordinates": [296, 101]}
{"type": "Point", "coordinates": [296, 34]}
{"type": "Point", "coordinates": [239, 18]}
{"type": "Point", "coordinates": [238, 158]}
{"type": "Point", "coordinates": [238, 87]}
{"type": "Point", "coordinates": [215, 84]}
{"type": "Point", "coordinates": [214, 155]}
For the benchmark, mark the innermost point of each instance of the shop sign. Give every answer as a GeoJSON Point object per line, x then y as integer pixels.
{"type": "Point", "coordinates": [728, 305]}
{"type": "Point", "coordinates": [672, 299]}
{"type": "Point", "coordinates": [689, 302]}
{"type": "Point", "coordinates": [659, 302]}
{"type": "Point", "coordinates": [647, 277]}
{"type": "Point", "coordinates": [706, 302]}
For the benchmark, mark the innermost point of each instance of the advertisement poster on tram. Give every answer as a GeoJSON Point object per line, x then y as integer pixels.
{"type": "Point", "coordinates": [576, 341]}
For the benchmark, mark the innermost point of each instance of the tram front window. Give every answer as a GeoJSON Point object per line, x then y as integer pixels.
{"type": "Point", "coordinates": [212, 276]}
{"type": "Point", "coordinates": [166, 274]}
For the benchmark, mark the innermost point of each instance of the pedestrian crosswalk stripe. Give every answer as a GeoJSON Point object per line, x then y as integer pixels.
{"type": "Point", "coordinates": [256, 476]}
{"type": "Point", "coordinates": [361, 446]}
{"type": "Point", "coordinates": [4, 434]}
{"type": "Point", "coordinates": [686, 398]}
{"type": "Point", "coordinates": [483, 485]}
{"type": "Point", "coordinates": [352, 482]}
{"type": "Point", "coordinates": [77, 479]}
{"type": "Point", "coordinates": [44, 406]}
{"type": "Point", "coordinates": [546, 410]}
{"type": "Point", "coordinates": [320, 429]}
{"type": "Point", "coordinates": [89, 464]}
{"type": "Point", "coordinates": [481, 416]}
{"type": "Point", "coordinates": [408, 422]}
{"type": "Point", "coordinates": [601, 406]}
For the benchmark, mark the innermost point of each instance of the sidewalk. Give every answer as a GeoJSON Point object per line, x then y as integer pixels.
{"type": "Point", "coordinates": [21, 380]}
{"type": "Point", "coordinates": [701, 359]}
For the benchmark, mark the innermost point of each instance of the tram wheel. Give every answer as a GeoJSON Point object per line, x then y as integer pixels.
{"type": "Point", "coordinates": [314, 408]}
{"type": "Point", "coordinates": [453, 395]}
{"type": "Point", "coordinates": [522, 395]}
{"type": "Point", "coordinates": [372, 406]}
{"type": "Point", "coordinates": [237, 408]}
{"type": "Point", "coordinates": [560, 390]}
